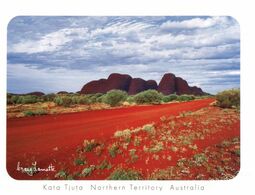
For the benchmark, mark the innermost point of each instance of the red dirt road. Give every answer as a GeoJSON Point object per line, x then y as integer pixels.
{"type": "Point", "coordinates": [38, 136]}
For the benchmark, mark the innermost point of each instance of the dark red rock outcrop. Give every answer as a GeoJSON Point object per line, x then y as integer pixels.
{"type": "Point", "coordinates": [36, 93]}
{"type": "Point", "coordinates": [196, 90]}
{"type": "Point", "coordinates": [99, 86]}
{"type": "Point", "coordinates": [151, 84]}
{"type": "Point", "coordinates": [167, 84]}
{"type": "Point", "coordinates": [118, 81]}
{"type": "Point", "coordinates": [114, 81]}
{"type": "Point", "coordinates": [182, 86]}
{"type": "Point", "coordinates": [137, 85]}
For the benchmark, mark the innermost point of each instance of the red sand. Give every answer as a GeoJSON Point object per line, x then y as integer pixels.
{"type": "Point", "coordinates": [38, 136]}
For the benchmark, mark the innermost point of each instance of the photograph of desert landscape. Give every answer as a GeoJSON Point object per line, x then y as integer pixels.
{"type": "Point", "coordinates": [123, 98]}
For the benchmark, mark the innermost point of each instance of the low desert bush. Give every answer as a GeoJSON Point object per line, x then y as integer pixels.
{"type": "Point", "coordinates": [80, 161]}
{"type": "Point", "coordinates": [200, 158]}
{"type": "Point", "coordinates": [94, 98]}
{"type": "Point", "coordinates": [148, 97]}
{"type": "Point", "coordinates": [61, 174]}
{"type": "Point", "coordinates": [88, 171]}
{"type": "Point", "coordinates": [63, 100]}
{"type": "Point", "coordinates": [89, 145]}
{"type": "Point", "coordinates": [169, 98]}
{"type": "Point", "coordinates": [130, 99]}
{"type": "Point", "coordinates": [104, 165]}
{"type": "Point", "coordinates": [58, 100]}
{"type": "Point", "coordinates": [228, 98]}
{"type": "Point", "coordinates": [35, 112]}
{"type": "Point", "coordinates": [113, 149]}
{"type": "Point", "coordinates": [184, 98]}
{"type": "Point", "coordinates": [149, 128]}
{"type": "Point", "coordinates": [124, 135]}
{"type": "Point", "coordinates": [24, 99]}
{"type": "Point", "coordinates": [49, 97]}
{"type": "Point", "coordinates": [115, 97]}
{"type": "Point", "coordinates": [122, 174]}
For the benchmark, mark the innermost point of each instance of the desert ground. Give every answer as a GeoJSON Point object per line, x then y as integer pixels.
{"type": "Point", "coordinates": [182, 140]}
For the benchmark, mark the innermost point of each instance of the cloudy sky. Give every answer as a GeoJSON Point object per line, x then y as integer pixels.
{"type": "Point", "coordinates": [51, 54]}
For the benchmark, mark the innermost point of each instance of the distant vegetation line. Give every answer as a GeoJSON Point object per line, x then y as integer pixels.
{"type": "Point", "coordinates": [113, 98]}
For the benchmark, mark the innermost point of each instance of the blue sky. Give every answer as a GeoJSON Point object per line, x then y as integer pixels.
{"type": "Point", "coordinates": [52, 54]}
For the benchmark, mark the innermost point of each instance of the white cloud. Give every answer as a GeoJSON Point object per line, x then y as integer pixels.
{"type": "Point", "coordinates": [194, 23]}
{"type": "Point", "coordinates": [121, 28]}
{"type": "Point", "coordinates": [49, 42]}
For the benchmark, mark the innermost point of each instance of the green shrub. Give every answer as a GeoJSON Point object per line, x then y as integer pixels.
{"type": "Point", "coordinates": [80, 161]}
{"type": "Point", "coordinates": [88, 171]}
{"type": "Point", "coordinates": [115, 97]}
{"type": "Point", "coordinates": [58, 100]}
{"type": "Point", "coordinates": [113, 149]}
{"type": "Point", "coordinates": [61, 174]}
{"type": "Point", "coordinates": [65, 101]}
{"type": "Point", "coordinates": [75, 99]}
{"type": "Point", "coordinates": [125, 135]}
{"type": "Point", "coordinates": [89, 145]}
{"type": "Point", "coordinates": [184, 98]}
{"type": "Point", "coordinates": [200, 158]}
{"type": "Point", "coordinates": [228, 98]}
{"type": "Point", "coordinates": [94, 98]}
{"type": "Point", "coordinates": [130, 99]}
{"type": "Point", "coordinates": [23, 99]}
{"type": "Point", "coordinates": [122, 174]}
{"type": "Point", "coordinates": [14, 99]}
{"type": "Point", "coordinates": [149, 128]}
{"type": "Point", "coordinates": [148, 97]}
{"type": "Point", "coordinates": [104, 165]}
{"type": "Point", "coordinates": [27, 99]}
{"type": "Point", "coordinates": [169, 98]}
{"type": "Point", "coordinates": [83, 99]}
{"type": "Point", "coordinates": [49, 97]}
{"type": "Point", "coordinates": [132, 154]}
{"type": "Point", "coordinates": [35, 113]}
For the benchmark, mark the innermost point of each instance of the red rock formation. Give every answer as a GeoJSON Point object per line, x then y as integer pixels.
{"type": "Point", "coordinates": [182, 86]}
{"type": "Point", "coordinates": [114, 81]}
{"type": "Point", "coordinates": [167, 84]}
{"type": "Point", "coordinates": [196, 90]}
{"type": "Point", "coordinates": [99, 86]}
{"type": "Point", "coordinates": [151, 84]}
{"type": "Point", "coordinates": [118, 81]}
{"type": "Point", "coordinates": [137, 85]}
{"type": "Point", "coordinates": [36, 93]}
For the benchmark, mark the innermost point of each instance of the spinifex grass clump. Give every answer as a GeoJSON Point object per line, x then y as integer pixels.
{"type": "Point", "coordinates": [113, 149]}
{"type": "Point", "coordinates": [89, 145]}
{"type": "Point", "coordinates": [88, 171]}
{"type": "Point", "coordinates": [124, 135]}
